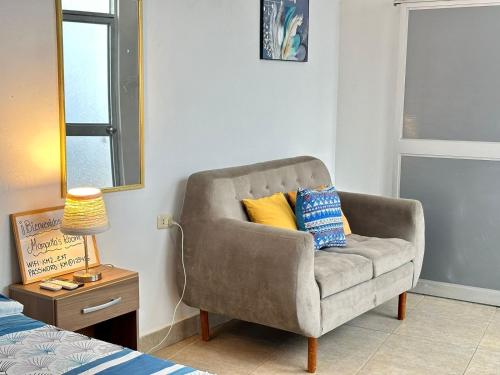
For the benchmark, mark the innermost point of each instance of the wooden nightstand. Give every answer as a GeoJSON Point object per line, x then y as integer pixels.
{"type": "Point", "coordinates": [114, 301]}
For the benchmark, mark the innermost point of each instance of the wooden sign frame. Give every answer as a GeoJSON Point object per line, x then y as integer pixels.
{"type": "Point", "coordinates": [60, 258]}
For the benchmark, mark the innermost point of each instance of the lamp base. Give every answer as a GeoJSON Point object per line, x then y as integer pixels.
{"type": "Point", "coordinates": [87, 277]}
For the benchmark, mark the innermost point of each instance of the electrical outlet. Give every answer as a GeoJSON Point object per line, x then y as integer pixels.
{"type": "Point", "coordinates": [164, 221]}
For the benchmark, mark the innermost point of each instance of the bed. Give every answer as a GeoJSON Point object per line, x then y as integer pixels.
{"type": "Point", "coordinates": [28, 346]}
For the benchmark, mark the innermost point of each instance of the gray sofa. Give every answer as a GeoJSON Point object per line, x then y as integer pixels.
{"type": "Point", "coordinates": [274, 276]}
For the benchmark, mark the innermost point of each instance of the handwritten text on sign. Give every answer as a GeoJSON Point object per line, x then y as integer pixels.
{"type": "Point", "coordinates": [43, 250]}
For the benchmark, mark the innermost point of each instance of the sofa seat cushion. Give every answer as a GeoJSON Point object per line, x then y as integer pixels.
{"type": "Point", "coordinates": [386, 254]}
{"type": "Point", "coordinates": [336, 272]}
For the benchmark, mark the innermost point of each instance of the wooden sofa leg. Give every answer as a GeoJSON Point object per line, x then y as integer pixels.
{"type": "Point", "coordinates": [204, 327]}
{"type": "Point", "coordinates": [402, 306]}
{"type": "Point", "coordinates": [312, 348]}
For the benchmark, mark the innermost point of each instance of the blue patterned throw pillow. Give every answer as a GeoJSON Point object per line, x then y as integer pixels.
{"type": "Point", "coordinates": [319, 213]}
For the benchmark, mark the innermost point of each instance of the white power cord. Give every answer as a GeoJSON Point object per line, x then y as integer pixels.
{"type": "Point", "coordinates": [182, 294]}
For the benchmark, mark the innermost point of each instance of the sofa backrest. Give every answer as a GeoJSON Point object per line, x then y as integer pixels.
{"type": "Point", "coordinates": [218, 193]}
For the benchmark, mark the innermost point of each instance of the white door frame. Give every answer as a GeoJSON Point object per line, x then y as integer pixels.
{"type": "Point", "coordinates": [438, 149]}
{"type": "Point", "coordinates": [431, 147]}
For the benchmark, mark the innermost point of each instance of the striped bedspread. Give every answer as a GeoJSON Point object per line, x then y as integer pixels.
{"type": "Point", "coordinates": [28, 346]}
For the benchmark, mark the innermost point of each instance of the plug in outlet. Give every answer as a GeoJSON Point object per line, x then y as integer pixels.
{"type": "Point", "coordinates": [164, 221]}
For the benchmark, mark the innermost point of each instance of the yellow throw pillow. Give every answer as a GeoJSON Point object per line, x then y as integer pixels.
{"type": "Point", "coordinates": [273, 211]}
{"type": "Point", "coordinates": [292, 197]}
{"type": "Point", "coordinates": [345, 224]}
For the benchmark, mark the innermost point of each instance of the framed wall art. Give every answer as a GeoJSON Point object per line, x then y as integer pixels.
{"type": "Point", "coordinates": [284, 30]}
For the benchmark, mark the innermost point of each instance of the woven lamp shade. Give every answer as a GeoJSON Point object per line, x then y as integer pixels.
{"type": "Point", "coordinates": [84, 212]}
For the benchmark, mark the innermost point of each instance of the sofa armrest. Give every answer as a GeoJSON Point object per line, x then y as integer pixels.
{"type": "Point", "coordinates": [376, 216]}
{"type": "Point", "coordinates": [255, 273]}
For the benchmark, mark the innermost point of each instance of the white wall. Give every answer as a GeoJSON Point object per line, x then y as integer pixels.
{"type": "Point", "coordinates": [29, 135]}
{"type": "Point", "coordinates": [209, 103]}
{"type": "Point", "coordinates": [369, 35]}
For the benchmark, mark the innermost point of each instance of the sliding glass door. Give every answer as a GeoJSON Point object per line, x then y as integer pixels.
{"type": "Point", "coordinates": [448, 136]}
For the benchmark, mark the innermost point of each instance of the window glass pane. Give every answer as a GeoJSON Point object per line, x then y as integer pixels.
{"type": "Point", "coordinates": [88, 160]}
{"type": "Point", "coordinates": [453, 74]}
{"type": "Point", "coordinates": [99, 6]}
{"type": "Point", "coordinates": [461, 206]}
{"type": "Point", "coordinates": [86, 72]}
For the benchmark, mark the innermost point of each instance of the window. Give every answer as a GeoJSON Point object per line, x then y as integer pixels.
{"type": "Point", "coordinates": [96, 6]}
{"type": "Point", "coordinates": [89, 45]}
{"type": "Point", "coordinates": [86, 67]}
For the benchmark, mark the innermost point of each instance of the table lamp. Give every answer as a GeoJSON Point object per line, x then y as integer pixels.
{"type": "Point", "coordinates": [85, 215]}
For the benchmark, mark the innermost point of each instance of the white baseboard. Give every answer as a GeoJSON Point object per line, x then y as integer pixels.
{"type": "Point", "coordinates": [458, 292]}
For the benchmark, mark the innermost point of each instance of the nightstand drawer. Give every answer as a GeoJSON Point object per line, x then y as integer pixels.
{"type": "Point", "coordinates": [85, 309]}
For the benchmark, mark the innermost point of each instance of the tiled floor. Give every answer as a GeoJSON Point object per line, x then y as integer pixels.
{"type": "Point", "coordinates": [439, 336]}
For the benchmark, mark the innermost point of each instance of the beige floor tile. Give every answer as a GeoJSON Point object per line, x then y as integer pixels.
{"type": "Point", "coordinates": [252, 331]}
{"type": "Point", "coordinates": [412, 301]}
{"type": "Point", "coordinates": [377, 320]}
{"type": "Point", "coordinates": [447, 321]}
{"type": "Point", "coordinates": [384, 317]}
{"type": "Point", "coordinates": [496, 317]}
{"type": "Point", "coordinates": [456, 309]}
{"type": "Point", "coordinates": [212, 366]}
{"type": "Point", "coordinates": [169, 351]}
{"type": "Point", "coordinates": [343, 351]}
{"type": "Point", "coordinates": [226, 353]}
{"type": "Point", "coordinates": [491, 338]}
{"type": "Point", "coordinates": [442, 329]}
{"type": "Point", "coordinates": [484, 362]}
{"type": "Point", "coordinates": [401, 355]}
{"type": "Point", "coordinates": [348, 341]}
{"type": "Point", "coordinates": [291, 363]}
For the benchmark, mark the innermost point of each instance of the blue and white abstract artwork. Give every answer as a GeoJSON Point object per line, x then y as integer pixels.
{"type": "Point", "coordinates": [284, 30]}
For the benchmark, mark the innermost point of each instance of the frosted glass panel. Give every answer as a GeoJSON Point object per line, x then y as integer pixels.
{"type": "Point", "coordinates": [89, 161]}
{"type": "Point", "coordinates": [86, 72]}
{"type": "Point", "coordinates": [99, 6]}
{"type": "Point", "coordinates": [462, 214]}
{"type": "Point", "coordinates": [453, 74]}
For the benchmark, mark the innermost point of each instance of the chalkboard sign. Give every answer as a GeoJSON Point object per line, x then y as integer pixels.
{"type": "Point", "coordinates": [43, 250]}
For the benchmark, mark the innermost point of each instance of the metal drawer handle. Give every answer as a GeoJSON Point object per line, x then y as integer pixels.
{"type": "Point", "coordinates": [113, 302]}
